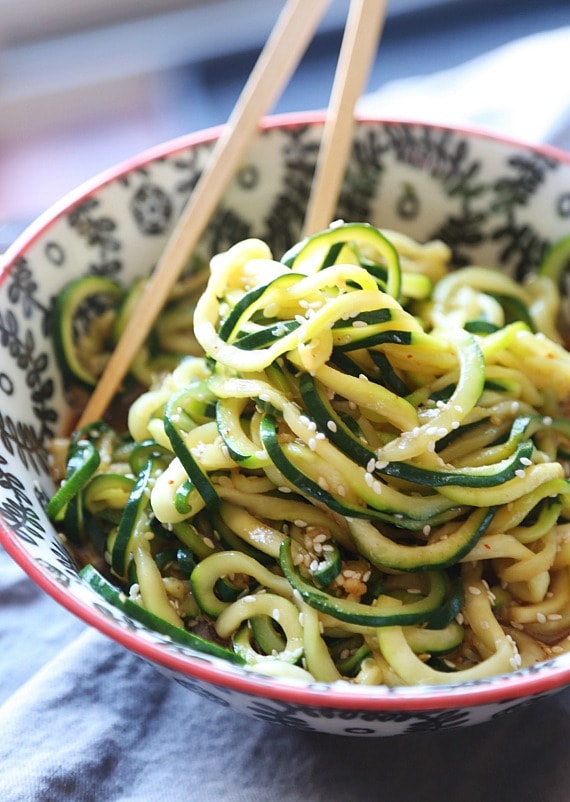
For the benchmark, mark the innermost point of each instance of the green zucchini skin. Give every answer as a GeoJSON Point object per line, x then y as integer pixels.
{"type": "Point", "coordinates": [83, 461]}
{"type": "Point", "coordinates": [433, 509]}
{"type": "Point", "coordinates": [323, 412]}
{"type": "Point", "coordinates": [135, 515]}
{"type": "Point", "coordinates": [174, 431]}
{"type": "Point", "coordinates": [179, 635]}
{"type": "Point", "coordinates": [98, 291]}
{"type": "Point", "coordinates": [363, 614]}
{"type": "Point", "coordinates": [386, 553]}
{"type": "Point", "coordinates": [321, 250]}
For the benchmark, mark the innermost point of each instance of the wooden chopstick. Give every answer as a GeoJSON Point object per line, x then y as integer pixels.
{"type": "Point", "coordinates": [288, 41]}
{"type": "Point", "coordinates": [359, 45]}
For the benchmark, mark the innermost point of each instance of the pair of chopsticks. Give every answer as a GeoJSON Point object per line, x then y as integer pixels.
{"type": "Point", "coordinates": [288, 41]}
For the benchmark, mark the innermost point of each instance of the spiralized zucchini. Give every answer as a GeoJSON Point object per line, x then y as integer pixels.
{"type": "Point", "coordinates": [361, 476]}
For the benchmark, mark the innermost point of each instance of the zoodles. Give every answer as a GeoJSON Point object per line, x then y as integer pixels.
{"type": "Point", "coordinates": [356, 469]}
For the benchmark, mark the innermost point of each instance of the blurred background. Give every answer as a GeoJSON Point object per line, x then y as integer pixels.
{"type": "Point", "coordinates": [85, 84]}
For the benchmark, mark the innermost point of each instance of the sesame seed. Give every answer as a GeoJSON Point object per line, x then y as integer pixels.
{"type": "Point", "coordinates": [520, 473]}
{"type": "Point", "coordinates": [547, 420]}
{"type": "Point", "coordinates": [541, 618]}
{"type": "Point", "coordinates": [359, 324]}
{"type": "Point", "coordinates": [332, 426]}
{"type": "Point", "coordinates": [554, 617]}
{"type": "Point", "coordinates": [475, 591]}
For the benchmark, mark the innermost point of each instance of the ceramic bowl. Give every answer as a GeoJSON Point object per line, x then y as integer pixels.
{"type": "Point", "coordinates": [493, 201]}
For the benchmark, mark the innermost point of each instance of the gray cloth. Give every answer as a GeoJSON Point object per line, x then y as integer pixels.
{"type": "Point", "coordinates": [82, 719]}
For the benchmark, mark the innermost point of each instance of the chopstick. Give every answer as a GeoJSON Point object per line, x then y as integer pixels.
{"type": "Point", "coordinates": [359, 45]}
{"type": "Point", "coordinates": [287, 42]}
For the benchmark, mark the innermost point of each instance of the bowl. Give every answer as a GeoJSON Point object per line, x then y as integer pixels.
{"type": "Point", "coordinates": [494, 201]}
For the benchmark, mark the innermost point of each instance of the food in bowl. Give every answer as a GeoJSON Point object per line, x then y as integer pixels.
{"type": "Point", "coordinates": [493, 202]}
{"type": "Point", "coordinates": [357, 474]}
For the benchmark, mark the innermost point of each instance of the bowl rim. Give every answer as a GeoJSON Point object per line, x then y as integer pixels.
{"type": "Point", "coordinates": [546, 677]}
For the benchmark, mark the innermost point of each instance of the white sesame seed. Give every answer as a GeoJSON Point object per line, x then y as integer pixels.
{"type": "Point", "coordinates": [541, 618]}
{"type": "Point", "coordinates": [475, 591]}
{"type": "Point", "coordinates": [332, 426]}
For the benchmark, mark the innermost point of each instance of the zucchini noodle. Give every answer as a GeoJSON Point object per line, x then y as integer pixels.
{"type": "Point", "coordinates": [356, 470]}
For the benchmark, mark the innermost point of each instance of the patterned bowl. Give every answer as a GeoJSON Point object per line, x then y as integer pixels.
{"type": "Point", "coordinates": [493, 201]}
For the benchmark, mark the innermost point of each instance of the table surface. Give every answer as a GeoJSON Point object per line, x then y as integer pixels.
{"type": "Point", "coordinates": [82, 719]}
